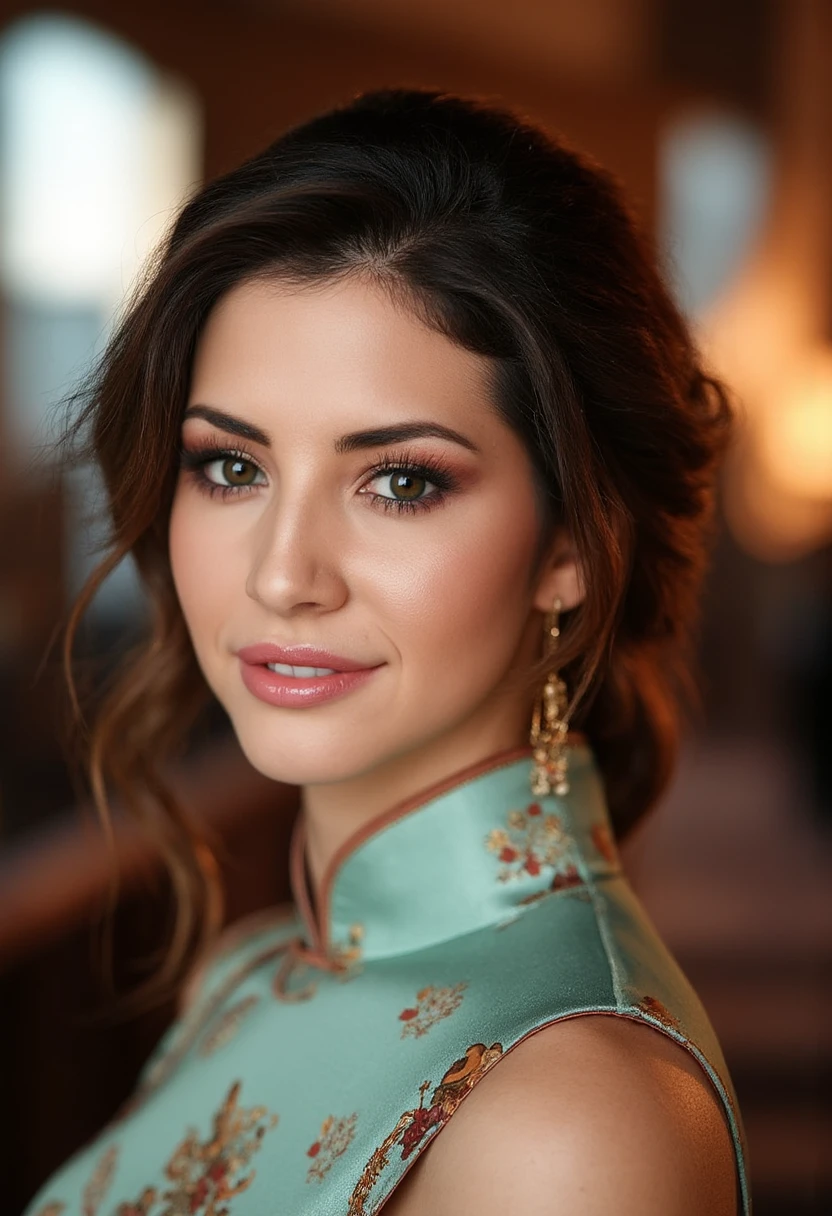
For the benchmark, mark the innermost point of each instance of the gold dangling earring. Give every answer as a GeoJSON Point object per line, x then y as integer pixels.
{"type": "Point", "coordinates": [549, 740]}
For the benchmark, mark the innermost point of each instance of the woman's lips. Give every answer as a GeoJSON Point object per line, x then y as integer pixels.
{"type": "Point", "coordinates": [293, 692]}
{"type": "Point", "coordinates": [299, 656]}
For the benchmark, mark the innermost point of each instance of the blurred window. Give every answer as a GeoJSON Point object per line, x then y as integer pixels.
{"type": "Point", "coordinates": [97, 151]}
{"type": "Point", "coordinates": [715, 174]}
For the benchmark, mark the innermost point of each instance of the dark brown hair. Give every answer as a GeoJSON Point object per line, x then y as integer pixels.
{"type": "Point", "coordinates": [514, 246]}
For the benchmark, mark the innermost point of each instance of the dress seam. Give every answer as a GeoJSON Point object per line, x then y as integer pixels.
{"type": "Point", "coordinates": [604, 931]}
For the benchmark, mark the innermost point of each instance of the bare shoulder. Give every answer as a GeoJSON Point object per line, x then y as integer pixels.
{"type": "Point", "coordinates": [592, 1114]}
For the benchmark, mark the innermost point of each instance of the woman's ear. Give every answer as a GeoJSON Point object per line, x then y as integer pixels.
{"type": "Point", "coordinates": [561, 575]}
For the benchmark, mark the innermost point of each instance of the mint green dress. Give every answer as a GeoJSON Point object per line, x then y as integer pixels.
{"type": "Point", "coordinates": [317, 1059]}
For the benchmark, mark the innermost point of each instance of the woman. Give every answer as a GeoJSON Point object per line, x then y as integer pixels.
{"type": "Point", "coordinates": [416, 458]}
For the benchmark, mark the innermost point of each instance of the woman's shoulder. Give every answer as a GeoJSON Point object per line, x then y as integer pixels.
{"type": "Point", "coordinates": [595, 1113]}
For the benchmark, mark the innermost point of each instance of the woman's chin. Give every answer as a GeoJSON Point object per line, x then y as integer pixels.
{"type": "Point", "coordinates": [312, 764]}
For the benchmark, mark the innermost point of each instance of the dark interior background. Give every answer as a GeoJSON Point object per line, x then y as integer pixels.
{"type": "Point", "coordinates": [717, 117]}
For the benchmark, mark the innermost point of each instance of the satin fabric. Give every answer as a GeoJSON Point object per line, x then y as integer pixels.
{"type": "Point", "coordinates": [318, 1054]}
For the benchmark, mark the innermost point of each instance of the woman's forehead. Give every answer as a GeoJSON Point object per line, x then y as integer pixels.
{"type": "Point", "coordinates": [342, 351]}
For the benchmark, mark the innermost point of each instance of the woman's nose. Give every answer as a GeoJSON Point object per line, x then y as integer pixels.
{"type": "Point", "coordinates": [297, 550]}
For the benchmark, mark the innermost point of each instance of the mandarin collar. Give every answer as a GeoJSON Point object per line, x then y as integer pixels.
{"type": "Point", "coordinates": [475, 849]}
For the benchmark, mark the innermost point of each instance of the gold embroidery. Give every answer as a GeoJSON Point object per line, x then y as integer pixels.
{"type": "Point", "coordinates": [142, 1206]}
{"type": "Point", "coordinates": [335, 1138]}
{"type": "Point", "coordinates": [203, 1174]}
{"type": "Point", "coordinates": [657, 1010]}
{"type": "Point", "coordinates": [227, 1026]}
{"type": "Point", "coordinates": [432, 1005]}
{"type": "Point", "coordinates": [342, 963]}
{"type": "Point", "coordinates": [99, 1183]}
{"type": "Point", "coordinates": [533, 840]}
{"type": "Point", "coordinates": [350, 956]}
{"type": "Point", "coordinates": [414, 1125]}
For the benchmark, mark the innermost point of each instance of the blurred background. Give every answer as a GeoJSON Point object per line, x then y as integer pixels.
{"type": "Point", "coordinates": [716, 115]}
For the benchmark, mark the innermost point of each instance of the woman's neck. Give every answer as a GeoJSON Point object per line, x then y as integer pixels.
{"type": "Point", "coordinates": [336, 811]}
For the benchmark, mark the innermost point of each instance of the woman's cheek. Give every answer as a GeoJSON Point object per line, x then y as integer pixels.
{"type": "Point", "coordinates": [201, 577]}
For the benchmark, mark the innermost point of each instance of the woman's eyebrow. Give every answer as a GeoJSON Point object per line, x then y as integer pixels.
{"type": "Point", "coordinates": [372, 438]}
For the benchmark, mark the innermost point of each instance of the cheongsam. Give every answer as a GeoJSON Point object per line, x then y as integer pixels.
{"type": "Point", "coordinates": [321, 1049]}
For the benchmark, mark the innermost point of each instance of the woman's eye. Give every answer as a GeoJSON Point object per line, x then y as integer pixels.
{"type": "Point", "coordinates": [234, 471]}
{"type": "Point", "coordinates": [403, 488]}
{"type": "Point", "coordinates": [405, 485]}
{"type": "Point", "coordinates": [220, 473]}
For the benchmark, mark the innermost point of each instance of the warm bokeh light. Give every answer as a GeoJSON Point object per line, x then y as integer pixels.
{"type": "Point", "coordinates": [796, 435]}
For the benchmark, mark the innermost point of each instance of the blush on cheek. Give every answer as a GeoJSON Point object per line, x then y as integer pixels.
{"type": "Point", "coordinates": [479, 599]}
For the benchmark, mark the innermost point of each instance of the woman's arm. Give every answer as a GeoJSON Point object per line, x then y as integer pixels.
{"type": "Point", "coordinates": [590, 1116]}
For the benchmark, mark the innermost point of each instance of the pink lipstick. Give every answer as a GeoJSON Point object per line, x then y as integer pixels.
{"type": "Point", "coordinates": [297, 691]}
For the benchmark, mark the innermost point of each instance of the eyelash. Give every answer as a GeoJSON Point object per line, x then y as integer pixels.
{"type": "Point", "coordinates": [432, 469]}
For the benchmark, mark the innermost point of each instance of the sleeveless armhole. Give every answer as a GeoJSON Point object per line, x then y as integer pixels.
{"type": "Point", "coordinates": [734, 1125]}
{"type": "Point", "coordinates": [646, 986]}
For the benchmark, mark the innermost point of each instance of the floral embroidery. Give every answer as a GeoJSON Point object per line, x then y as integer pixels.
{"type": "Point", "coordinates": [99, 1183]}
{"type": "Point", "coordinates": [533, 840]}
{"type": "Point", "coordinates": [566, 878]}
{"type": "Point", "coordinates": [563, 880]}
{"type": "Point", "coordinates": [433, 1004]}
{"type": "Point", "coordinates": [204, 1175]}
{"type": "Point", "coordinates": [335, 1138]}
{"type": "Point", "coordinates": [227, 1026]}
{"type": "Point", "coordinates": [51, 1209]}
{"type": "Point", "coordinates": [414, 1125]}
{"type": "Point", "coordinates": [142, 1205]}
{"type": "Point", "coordinates": [657, 1010]}
{"type": "Point", "coordinates": [603, 840]}
{"type": "Point", "coordinates": [289, 964]}
{"type": "Point", "coordinates": [349, 956]}
{"type": "Point", "coordinates": [346, 965]}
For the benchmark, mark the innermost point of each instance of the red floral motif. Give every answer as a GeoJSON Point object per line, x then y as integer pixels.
{"type": "Point", "coordinates": [566, 878]}
{"type": "Point", "coordinates": [531, 841]}
{"type": "Point", "coordinates": [433, 1004]}
{"type": "Point", "coordinates": [141, 1206]}
{"type": "Point", "coordinates": [335, 1138]}
{"type": "Point", "coordinates": [204, 1174]}
{"type": "Point", "coordinates": [563, 880]}
{"type": "Point", "coordinates": [414, 1125]}
{"type": "Point", "coordinates": [423, 1121]}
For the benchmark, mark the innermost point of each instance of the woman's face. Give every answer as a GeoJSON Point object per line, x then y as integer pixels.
{"type": "Point", "coordinates": [310, 545]}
